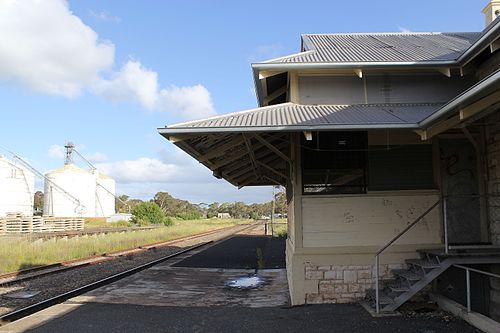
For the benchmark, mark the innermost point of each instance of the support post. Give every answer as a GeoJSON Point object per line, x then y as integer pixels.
{"type": "Point", "coordinates": [445, 225]}
{"type": "Point", "coordinates": [377, 300]}
{"type": "Point", "coordinates": [272, 214]}
{"type": "Point", "coordinates": [467, 278]}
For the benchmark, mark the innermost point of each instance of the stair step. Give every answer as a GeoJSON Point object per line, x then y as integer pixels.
{"type": "Point", "coordinates": [383, 298]}
{"type": "Point", "coordinates": [423, 263]}
{"type": "Point", "coordinates": [407, 274]}
{"type": "Point", "coordinates": [398, 288]}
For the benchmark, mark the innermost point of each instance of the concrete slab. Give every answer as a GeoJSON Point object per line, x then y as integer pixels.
{"type": "Point", "coordinates": [182, 286]}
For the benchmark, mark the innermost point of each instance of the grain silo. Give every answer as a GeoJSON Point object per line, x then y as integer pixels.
{"type": "Point", "coordinates": [17, 188]}
{"type": "Point", "coordinates": [76, 182]}
{"type": "Point", "coordinates": [104, 195]}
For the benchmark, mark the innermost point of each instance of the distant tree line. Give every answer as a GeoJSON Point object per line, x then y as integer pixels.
{"type": "Point", "coordinates": [183, 209]}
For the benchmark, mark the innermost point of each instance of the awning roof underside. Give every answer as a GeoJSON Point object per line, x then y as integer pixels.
{"type": "Point", "coordinates": [252, 147]}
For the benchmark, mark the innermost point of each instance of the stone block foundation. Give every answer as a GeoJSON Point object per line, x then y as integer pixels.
{"type": "Point", "coordinates": [344, 284]}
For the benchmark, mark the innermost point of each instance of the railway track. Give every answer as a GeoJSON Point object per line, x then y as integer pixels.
{"type": "Point", "coordinates": [59, 298]}
{"type": "Point", "coordinates": [36, 272]}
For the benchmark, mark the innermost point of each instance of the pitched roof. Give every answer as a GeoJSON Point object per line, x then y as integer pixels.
{"type": "Point", "coordinates": [382, 47]}
{"type": "Point", "coordinates": [296, 117]}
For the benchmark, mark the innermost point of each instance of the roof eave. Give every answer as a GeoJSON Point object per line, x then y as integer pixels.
{"type": "Point", "coordinates": [490, 36]}
{"type": "Point", "coordinates": [350, 65]}
{"type": "Point", "coordinates": [467, 96]}
{"type": "Point", "coordinates": [167, 132]}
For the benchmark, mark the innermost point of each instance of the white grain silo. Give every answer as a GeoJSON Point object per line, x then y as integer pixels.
{"type": "Point", "coordinates": [17, 188]}
{"type": "Point", "coordinates": [76, 182]}
{"type": "Point", "coordinates": [104, 195]}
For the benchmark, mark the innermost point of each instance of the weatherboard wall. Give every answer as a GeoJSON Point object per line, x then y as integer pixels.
{"type": "Point", "coordinates": [377, 88]}
{"type": "Point", "coordinates": [330, 256]}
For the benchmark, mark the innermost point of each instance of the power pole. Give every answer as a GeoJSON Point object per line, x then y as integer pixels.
{"type": "Point", "coordinates": [272, 212]}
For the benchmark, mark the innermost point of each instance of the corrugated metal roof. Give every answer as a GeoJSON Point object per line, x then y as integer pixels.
{"type": "Point", "coordinates": [382, 47]}
{"type": "Point", "coordinates": [311, 116]}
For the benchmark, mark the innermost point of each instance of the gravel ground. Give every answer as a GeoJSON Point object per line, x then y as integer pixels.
{"type": "Point", "coordinates": [56, 284]}
{"type": "Point", "coordinates": [341, 318]}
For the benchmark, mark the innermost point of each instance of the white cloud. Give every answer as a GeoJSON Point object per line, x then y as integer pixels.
{"type": "Point", "coordinates": [135, 83]}
{"type": "Point", "coordinates": [56, 151]}
{"type": "Point", "coordinates": [403, 29]}
{"type": "Point", "coordinates": [141, 170]}
{"type": "Point", "coordinates": [105, 17]}
{"type": "Point", "coordinates": [169, 167]}
{"type": "Point", "coordinates": [47, 48]}
{"type": "Point", "coordinates": [96, 157]}
{"type": "Point", "coordinates": [189, 102]}
{"type": "Point", "coordinates": [132, 83]}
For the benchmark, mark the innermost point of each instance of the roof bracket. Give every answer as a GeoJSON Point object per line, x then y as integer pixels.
{"type": "Point", "coordinates": [251, 154]}
{"type": "Point", "coordinates": [359, 72]}
{"type": "Point", "coordinates": [264, 165]}
{"type": "Point", "coordinates": [308, 135]}
{"type": "Point", "coordinates": [445, 71]}
{"type": "Point", "coordinates": [495, 45]}
{"type": "Point", "coordinates": [273, 148]}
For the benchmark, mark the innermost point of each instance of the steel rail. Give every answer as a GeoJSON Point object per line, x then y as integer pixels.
{"type": "Point", "coordinates": [23, 312]}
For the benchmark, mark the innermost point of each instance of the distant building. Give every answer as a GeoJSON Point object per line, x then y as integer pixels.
{"type": "Point", "coordinates": [119, 217]}
{"type": "Point", "coordinates": [17, 188]}
{"type": "Point", "coordinates": [223, 216]}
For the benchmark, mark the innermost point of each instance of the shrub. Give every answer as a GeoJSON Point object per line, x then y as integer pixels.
{"type": "Point", "coordinates": [168, 221]}
{"type": "Point", "coordinates": [120, 223]}
{"type": "Point", "coordinates": [189, 216]}
{"type": "Point", "coordinates": [148, 213]}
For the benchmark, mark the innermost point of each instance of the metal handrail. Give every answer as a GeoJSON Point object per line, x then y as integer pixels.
{"type": "Point", "coordinates": [377, 254]}
{"type": "Point", "coordinates": [467, 280]}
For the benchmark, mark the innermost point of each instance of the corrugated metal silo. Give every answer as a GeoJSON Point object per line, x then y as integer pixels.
{"type": "Point", "coordinates": [104, 195]}
{"type": "Point", "coordinates": [79, 183]}
{"type": "Point", "coordinates": [17, 188]}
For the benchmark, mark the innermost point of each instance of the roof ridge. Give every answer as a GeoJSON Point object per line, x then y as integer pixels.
{"type": "Point", "coordinates": [394, 33]}
{"type": "Point", "coordinates": [289, 56]}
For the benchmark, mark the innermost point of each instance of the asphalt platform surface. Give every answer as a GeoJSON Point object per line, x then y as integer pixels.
{"type": "Point", "coordinates": [241, 252]}
{"type": "Point", "coordinates": [93, 317]}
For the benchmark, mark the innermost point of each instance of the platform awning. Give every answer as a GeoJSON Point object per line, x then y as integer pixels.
{"type": "Point", "coordinates": [252, 147]}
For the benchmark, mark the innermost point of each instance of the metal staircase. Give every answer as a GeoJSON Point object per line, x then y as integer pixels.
{"type": "Point", "coordinates": [420, 272]}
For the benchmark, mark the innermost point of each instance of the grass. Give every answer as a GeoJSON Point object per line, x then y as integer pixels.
{"type": "Point", "coordinates": [100, 222]}
{"type": "Point", "coordinates": [280, 227]}
{"type": "Point", "coordinates": [22, 252]}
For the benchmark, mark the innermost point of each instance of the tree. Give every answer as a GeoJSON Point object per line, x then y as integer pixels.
{"type": "Point", "coordinates": [149, 213]}
{"type": "Point", "coordinates": [213, 210]}
{"type": "Point", "coordinates": [38, 201]}
{"type": "Point", "coordinates": [121, 205]}
{"type": "Point", "coordinates": [175, 207]}
{"type": "Point", "coordinates": [281, 205]}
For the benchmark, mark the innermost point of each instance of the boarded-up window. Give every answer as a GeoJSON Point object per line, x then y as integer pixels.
{"type": "Point", "coordinates": [334, 163]}
{"type": "Point", "coordinates": [407, 167]}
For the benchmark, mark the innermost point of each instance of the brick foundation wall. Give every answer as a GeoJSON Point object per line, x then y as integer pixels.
{"type": "Point", "coordinates": [344, 284]}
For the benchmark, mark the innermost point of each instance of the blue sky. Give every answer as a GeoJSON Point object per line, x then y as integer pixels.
{"type": "Point", "coordinates": [106, 74]}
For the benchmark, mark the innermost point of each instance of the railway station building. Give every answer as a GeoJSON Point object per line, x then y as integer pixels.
{"type": "Point", "coordinates": [388, 145]}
